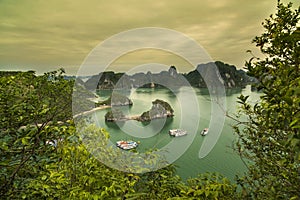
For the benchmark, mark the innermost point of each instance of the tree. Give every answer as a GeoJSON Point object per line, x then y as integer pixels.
{"type": "Point", "coordinates": [270, 138]}
{"type": "Point", "coordinates": [76, 174]}
{"type": "Point", "coordinates": [210, 186]}
{"type": "Point", "coordinates": [33, 110]}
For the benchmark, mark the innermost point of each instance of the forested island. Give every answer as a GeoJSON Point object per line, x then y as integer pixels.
{"type": "Point", "coordinates": [159, 109]}
{"type": "Point", "coordinates": [232, 78]}
{"type": "Point", "coordinates": [115, 99]}
{"type": "Point", "coordinates": [37, 110]}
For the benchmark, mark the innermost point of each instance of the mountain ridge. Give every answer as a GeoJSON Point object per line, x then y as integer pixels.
{"type": "Point", "coordinates": [228, 75]}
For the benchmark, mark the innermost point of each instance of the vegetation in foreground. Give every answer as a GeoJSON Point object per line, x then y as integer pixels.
{"type": "Point", "coordinates": [43, 158]}
{"type": "Point", "coordinates": [270, 136]}
{"type": "Point", "coordinates": [36, 110]}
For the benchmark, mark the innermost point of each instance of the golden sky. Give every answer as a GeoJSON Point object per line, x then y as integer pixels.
{"type": "Point", "coordinates": [44, 35]}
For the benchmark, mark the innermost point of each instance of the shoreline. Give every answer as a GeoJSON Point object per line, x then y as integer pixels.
{"type": "Point", "coordinates": [93, 110]}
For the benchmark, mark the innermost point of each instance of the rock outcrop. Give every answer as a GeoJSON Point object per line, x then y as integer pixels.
{"type": "Point", "coordinates": [116, 99]}
{"type": "Point", "coordinates": [228, 75]}
{"type": "Point", "coordinates": [159, 109]}
{"type": "Point", "coordinates": [114, 115]}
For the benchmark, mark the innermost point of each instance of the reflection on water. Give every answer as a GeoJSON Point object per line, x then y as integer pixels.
{"type": "Point", "coordinates": [233, 91]}
{"type": "Point", "coordinates": [229, 92]}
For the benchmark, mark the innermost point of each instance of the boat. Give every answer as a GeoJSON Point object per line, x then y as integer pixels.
{"type": "Point", "coordinates": [204, 132]}
{"type": "Point", "coordinates": [126, 145]}
{"type": "Point", "coordinates": [177, 132]}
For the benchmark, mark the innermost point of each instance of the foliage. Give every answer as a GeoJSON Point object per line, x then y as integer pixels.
{"type": "Point", "coordinates": [72, 172]}
{"type": "Point", "coordinates": [270, 138]}
{"type": "Point", "coordinates": [160, 184]}
{"type": "Point", "coordinates": [210, 186]}
{"type": "Point", "coordinates": [78, 175]}
{"type": "Point", "coordinates": [27, 99]}
{"type": "Point", "coordinates": [32, 110]}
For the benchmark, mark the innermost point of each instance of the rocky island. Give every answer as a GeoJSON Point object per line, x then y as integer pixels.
{"type": "Point", "coordinates": [229, 74]}
{"type": "Point", "coordinates": [116, 99]}
{"type": "Point", "coordinates": [114, 115]}
{"type": "Point", "coordinates": [159, 109]}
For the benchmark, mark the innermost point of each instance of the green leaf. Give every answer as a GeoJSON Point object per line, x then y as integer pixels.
{"type": "Point", "coordinates": [44, 177]}
{"type": "Point", "coordinates": [25, 140]}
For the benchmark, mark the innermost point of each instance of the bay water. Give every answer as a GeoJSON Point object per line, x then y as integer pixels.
{"type": "Point", "coordinates": [222, 158]}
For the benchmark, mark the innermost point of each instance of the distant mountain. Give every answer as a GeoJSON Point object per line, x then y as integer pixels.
{"type": "Point", "coordinates": [232, 78]}
{"type": "Point", "coordinates": [104, 80]}
{"type": "Point", "coordinates": [227, 74]}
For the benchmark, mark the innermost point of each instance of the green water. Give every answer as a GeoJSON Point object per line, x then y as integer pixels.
{"type": "Point", "coordinates": [221, 159]}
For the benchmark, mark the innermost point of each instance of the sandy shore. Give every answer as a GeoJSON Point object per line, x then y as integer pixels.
{"type": "Point", "coordinates": [93, 110]}
{"type": "Point", "coordinates": [132, 117]}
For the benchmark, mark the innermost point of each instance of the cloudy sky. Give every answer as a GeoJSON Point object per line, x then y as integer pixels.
{"type": "Point", "coordinates": [45, 35]}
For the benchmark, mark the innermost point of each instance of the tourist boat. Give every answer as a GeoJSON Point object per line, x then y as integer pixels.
{"type": "Point", "coordinates": [177, 132]}
{"type": "Point", "coordinates": [204, 132]}
{"type": "Point", "coordinates": [126, 145]}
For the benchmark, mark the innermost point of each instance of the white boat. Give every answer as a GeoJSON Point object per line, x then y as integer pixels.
{"type": "Point", "coordinates": [177, 132]}
{"type": "Point", "coordinates": [204, 132]}
{"type": "Point", "coordinates": [126, 145]}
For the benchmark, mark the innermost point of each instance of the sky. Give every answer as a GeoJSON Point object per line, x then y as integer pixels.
{"type": "Point", "coordinates": [46, 35]}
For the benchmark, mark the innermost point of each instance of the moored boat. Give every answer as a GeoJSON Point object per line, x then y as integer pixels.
{"type": "Point", "coordinates": [177, 132]}
{"type": "Point", "coordinates": [204, 132]}
{"type": "Point", "coordinates": [126, 145]}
